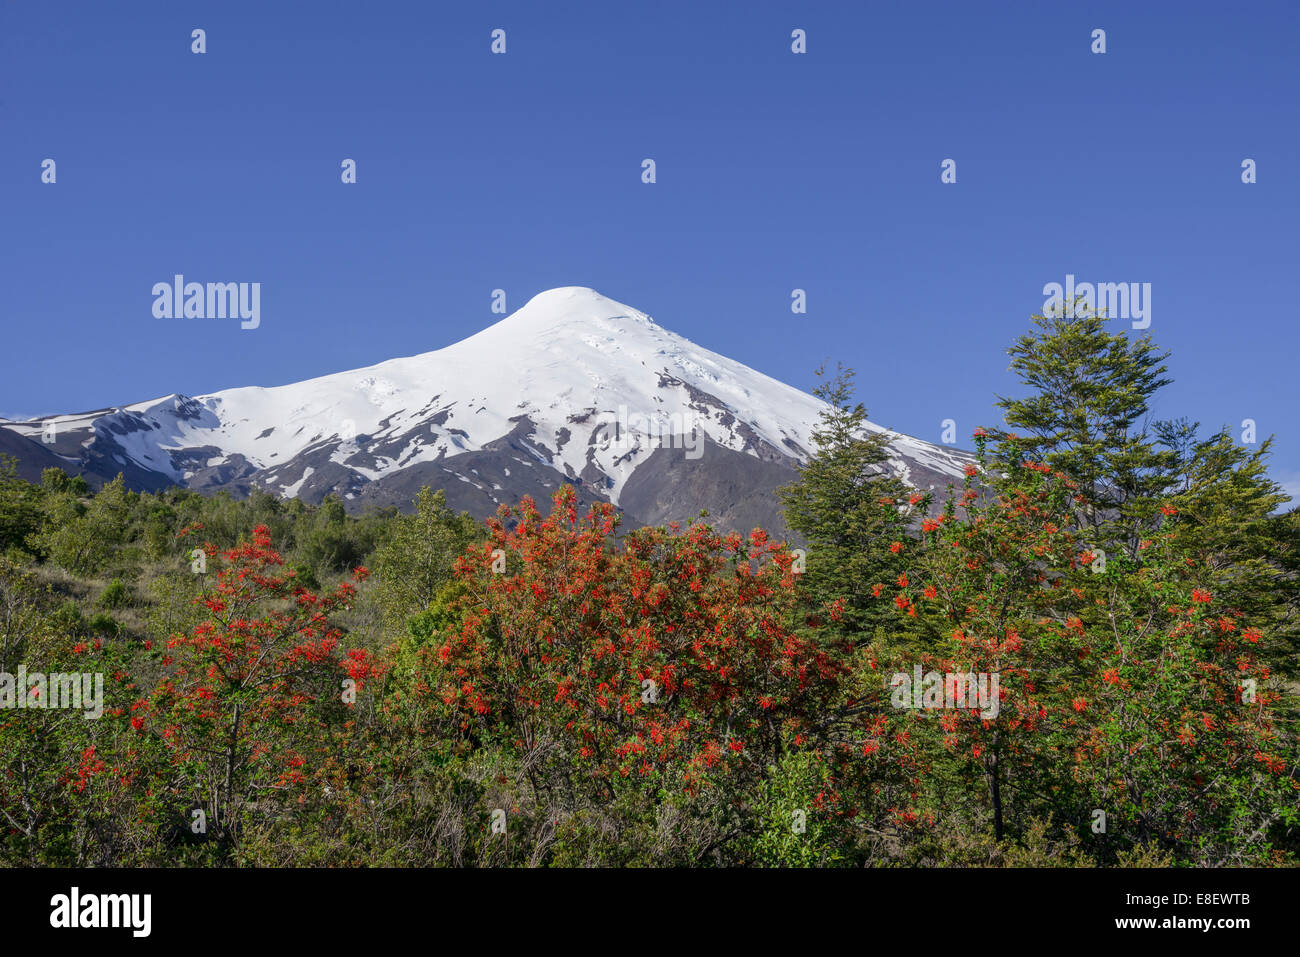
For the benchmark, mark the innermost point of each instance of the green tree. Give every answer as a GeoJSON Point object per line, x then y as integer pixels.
{"type": "Point", "coordinates": [1087, 416]}
{"type": "Point", "coordinates": [19, 506]}
{"type": "Point", "coordinates": [848, 508]}
{"type": "Point", "coordinates": [82, 536]}
{"type": "Point", "coordinates": [1223, 516]}
{"type": "Point", "coordinates": [1134, 689]}
{"type": "Point", "coordinates": [416, 557]}
{"type": "Point", "coordinates": [62, 802]}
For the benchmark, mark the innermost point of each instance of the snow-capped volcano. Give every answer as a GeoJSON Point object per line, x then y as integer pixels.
{"type": "Point", "coordinates": [571, 387]}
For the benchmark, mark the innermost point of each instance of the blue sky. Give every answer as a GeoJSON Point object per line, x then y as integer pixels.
{"type": "Point", "coordinates": [775, 171]}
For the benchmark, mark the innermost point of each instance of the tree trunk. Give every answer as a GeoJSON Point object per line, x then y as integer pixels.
{"type": "Point", "coordinates": [226, 830]}
{"type": "Point", "coordinates": [995, 792]}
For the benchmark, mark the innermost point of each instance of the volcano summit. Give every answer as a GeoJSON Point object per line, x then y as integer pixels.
{"type": "Point", "coordinates": [572, 387]}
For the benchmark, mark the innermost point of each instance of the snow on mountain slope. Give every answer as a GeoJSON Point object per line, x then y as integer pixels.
{"type": "Point", "coordinates": [581, 384]}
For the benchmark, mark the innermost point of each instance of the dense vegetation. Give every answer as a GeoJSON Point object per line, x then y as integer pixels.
{"type": "Point", "coordinates": [292, 685]}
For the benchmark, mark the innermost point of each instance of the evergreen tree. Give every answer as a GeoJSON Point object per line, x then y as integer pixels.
{"type": "Point", "coordinates": [1087, 417]}
{"type": "Point", "coordinates": [1222, 515]}
{"type": "Point", "coordinates": [848, 508]}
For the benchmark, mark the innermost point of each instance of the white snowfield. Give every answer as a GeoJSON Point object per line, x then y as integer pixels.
{"type": "Point", "coordinates": [582, 368]}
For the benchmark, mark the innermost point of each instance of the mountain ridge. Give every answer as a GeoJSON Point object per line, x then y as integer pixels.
{"type": "Point", "coordinates": [573, 386]}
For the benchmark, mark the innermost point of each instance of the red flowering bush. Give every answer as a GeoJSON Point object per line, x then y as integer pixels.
{"type": "Point", "coordinates": [670, 650]}
{"type": "Point", "coordinates": [254, 697]}
{"type": "Point", "coordinates": [1123, 689]}
{"type": "Point", "coordinates": [670, 663]}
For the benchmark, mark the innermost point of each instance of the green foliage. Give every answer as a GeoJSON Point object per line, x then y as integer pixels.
{"type": "Point", "coordinates": [103, 624]}
{"type": "Point", "coordinates": [1225, 521]}
{"type": "Point", "coordinates": [115, 595]}
{"type": "Point", "coordinates": [1086, 416]}
{"type": "Point", "coordinates": [57, 481]}
{"type": "Point", "coordinates": [18, 507]}
{"type": "Point", "coordinates": [81, 536]}
{"type": "Point", "coordinates": [793, 832]}
{"type": "Point", "coordinates": [416, 555]}
{"type": "Point", "coordinates": [69, 619]}
{"type": "Point", "coordinates": [849, 509]}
